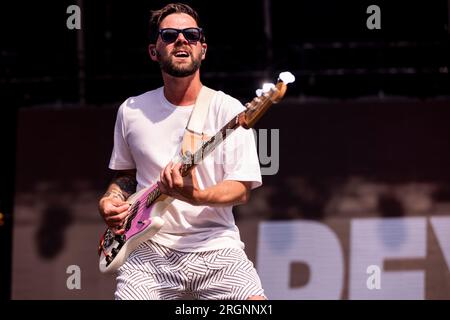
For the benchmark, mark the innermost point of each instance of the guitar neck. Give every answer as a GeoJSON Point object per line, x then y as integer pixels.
{"type": "Point", "coordinates": [246, 119]}
{"type": "Point", "coordinates": [191, 160]}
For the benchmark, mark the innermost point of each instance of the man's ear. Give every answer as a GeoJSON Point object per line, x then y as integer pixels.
{"type": "Point", "coordinates": [204, 48]}
{"type": "Point", "coordinates": [152, 52]}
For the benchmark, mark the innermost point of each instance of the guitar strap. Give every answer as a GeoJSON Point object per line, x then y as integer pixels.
{"type": "Point", "coordinates": [193, 134]}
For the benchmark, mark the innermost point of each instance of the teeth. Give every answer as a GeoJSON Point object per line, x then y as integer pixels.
{"type": "Point", "coordinates": [181, 54]}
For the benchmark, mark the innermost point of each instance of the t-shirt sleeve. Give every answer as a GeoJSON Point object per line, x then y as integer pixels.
{"type": "Point", "coordinates": [121, 157]}
{"type": "Point", "coordinates": [240, 157]}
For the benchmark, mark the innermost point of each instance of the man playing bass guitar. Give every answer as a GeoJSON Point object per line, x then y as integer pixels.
{"type": "Point", "coordinates": [198, 253]}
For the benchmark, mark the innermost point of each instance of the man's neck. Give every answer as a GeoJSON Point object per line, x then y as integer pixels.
{"type": "Point", "coordinates": [182, 91]}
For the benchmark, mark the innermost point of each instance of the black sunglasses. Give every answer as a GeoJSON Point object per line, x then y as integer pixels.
{"type": "Point", "coordinates": [170, 35]}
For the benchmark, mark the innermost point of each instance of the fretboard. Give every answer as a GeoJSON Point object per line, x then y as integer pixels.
{"type": "Point", "coordinates": [189, 161]}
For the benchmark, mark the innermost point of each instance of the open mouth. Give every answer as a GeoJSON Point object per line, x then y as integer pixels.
{"type": "Point", "coordinates": [181, 54]}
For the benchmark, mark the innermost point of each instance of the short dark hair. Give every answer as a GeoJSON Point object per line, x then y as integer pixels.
{"type": "Point", "coordinates": [156, 16]}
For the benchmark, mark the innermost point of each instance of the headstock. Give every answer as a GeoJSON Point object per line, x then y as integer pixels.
{"type": "Point", "coordinates": [265, 97]}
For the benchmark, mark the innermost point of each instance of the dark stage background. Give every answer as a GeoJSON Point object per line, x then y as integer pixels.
{"type": "Point", "coordinates": [359, 172]}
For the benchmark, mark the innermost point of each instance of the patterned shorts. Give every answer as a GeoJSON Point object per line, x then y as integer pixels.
{"type": "Point", "coordinates": [154, 272]}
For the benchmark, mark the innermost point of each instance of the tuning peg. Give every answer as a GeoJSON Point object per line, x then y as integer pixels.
{"type": "Point", "coordinates": [267, 86]}
{"type": "Point", "coordinates": [287, 77]}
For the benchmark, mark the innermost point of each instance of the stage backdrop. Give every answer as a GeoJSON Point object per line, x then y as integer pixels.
{"type": "Point", "coordinates": [355, 202]}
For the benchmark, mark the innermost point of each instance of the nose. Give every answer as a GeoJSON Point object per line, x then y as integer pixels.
{"type": "Point", "coordinates": [181, 38]}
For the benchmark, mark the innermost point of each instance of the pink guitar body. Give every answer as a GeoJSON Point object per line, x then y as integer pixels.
{"type": "Point", "coordinates": [144, 221]}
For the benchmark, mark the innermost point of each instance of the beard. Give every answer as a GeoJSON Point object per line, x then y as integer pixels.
{"type": "Point", "coordinates": [180, 70]}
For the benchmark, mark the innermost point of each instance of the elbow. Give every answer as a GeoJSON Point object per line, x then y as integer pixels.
{"type": "Point", "coordinates": [245, 194]}
{"type": "Point", "coordinates": [245, 197]}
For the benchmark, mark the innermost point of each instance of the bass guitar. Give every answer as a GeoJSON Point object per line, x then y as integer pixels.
{"type": "Point", "coordinates": [148, 205]}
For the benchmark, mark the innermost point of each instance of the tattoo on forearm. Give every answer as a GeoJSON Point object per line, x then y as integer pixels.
{"type": "Point", "coordinates": [114, 194]}
{"type": "Point", "coordinates": [127, 184]}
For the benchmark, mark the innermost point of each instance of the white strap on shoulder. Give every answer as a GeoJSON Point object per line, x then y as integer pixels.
{"type": "Point", "coordinates": [198, 116]}
{"type": "Point", "coordinates": [193, 135]}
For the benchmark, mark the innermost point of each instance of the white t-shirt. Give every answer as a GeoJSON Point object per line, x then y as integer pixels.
{"type": "Point", "coordinates": [148, 134]}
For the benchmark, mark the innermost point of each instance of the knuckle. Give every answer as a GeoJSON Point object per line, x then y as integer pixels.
{"type": "Point", "coordinates": [177, 183]}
